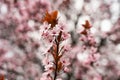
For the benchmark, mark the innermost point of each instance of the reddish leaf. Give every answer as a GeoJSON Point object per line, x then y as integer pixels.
{"type": "Point", "coordinates": [84, 32]}
{"type": "Point", "coordinates": [87, 25]}
{"type": "Point", "coordinates": [2, 77]}
{"type": "Point", "coordinates": [51, 18]}
{"type": "Point", "coordinates": [59, 66]}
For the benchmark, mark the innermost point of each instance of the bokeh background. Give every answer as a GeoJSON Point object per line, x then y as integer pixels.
{"type": "Point", "coordinates": [22, 47]}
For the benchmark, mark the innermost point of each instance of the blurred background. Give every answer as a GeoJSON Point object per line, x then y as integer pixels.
{"type": "Point", "coordinates": [22, 47]}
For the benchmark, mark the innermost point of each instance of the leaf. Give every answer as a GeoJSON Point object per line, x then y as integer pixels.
{"type": "Point", "coordinates": [2, 77]}
{"type": "Point", "coordinates": [51, 18]}
{"type": "Point", "coordinates": [87, 25]}
{"type": "Point", "coordinates": [84, 32]}
{"type": "Point", "coordinates": [59, 66]}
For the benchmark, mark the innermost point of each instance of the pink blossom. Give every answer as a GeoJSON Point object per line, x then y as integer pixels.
{"type": "Point", "coordinates": [66, 69]}
{"type": "Point", "coordinates": [65, 61]}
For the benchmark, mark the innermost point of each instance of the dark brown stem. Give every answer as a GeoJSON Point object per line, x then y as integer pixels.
{"type": "Point", "coordinates": [56, 62]}
{"type": "Point", "coordinates": [55, 75]}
